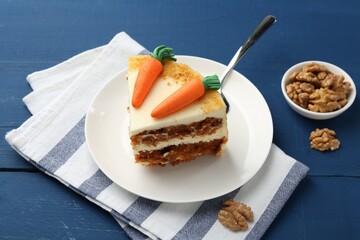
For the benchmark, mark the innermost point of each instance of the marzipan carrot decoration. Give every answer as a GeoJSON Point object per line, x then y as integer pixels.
{"type": "Point", "coordinates": [149, 72]}
{"type": "Point", "coordinates": [185, 95]}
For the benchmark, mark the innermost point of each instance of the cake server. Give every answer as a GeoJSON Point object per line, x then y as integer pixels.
{"type": "Point", "coordinates": [258, 32]}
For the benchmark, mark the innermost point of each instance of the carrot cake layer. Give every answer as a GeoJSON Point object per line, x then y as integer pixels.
{"type": "Point", "coordinates": [176, 154]}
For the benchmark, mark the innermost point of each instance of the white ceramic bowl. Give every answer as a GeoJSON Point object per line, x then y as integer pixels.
{"type": "Point", "coordinates": [316, 115]}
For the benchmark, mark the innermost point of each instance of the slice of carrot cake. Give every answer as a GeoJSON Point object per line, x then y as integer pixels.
{"type": "Point", "coordinates": [198, 129]}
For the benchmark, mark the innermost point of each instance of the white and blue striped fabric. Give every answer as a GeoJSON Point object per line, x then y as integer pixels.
{"type": "Point", "coordinates": [53, 140]}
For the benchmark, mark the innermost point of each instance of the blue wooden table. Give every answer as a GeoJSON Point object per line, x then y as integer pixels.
{"type": "Point", "coordinates": [35, 35]}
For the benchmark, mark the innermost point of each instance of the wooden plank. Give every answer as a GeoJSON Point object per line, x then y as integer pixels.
{"type": "Point", "coordinates": [13, 88]}
{"type": "Point", "coordinates": [10, 160]}
{"type": "Point", "coordinates": [320, 208]}
{"type": "Point", "coordinates": [291, 132]}
{"type": "Point", "coordinates": [38, 207]}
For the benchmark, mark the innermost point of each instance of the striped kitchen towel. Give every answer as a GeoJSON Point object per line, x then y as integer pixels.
{"type": "Point", "coordinates": [53, 140]}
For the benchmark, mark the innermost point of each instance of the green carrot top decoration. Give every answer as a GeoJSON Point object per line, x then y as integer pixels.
{"type": "Point", "coordinates": [211, 82]}
{"type": "Point", "coordinates": [149, 72]}
{"type": "Point", "coordinates": [186, 95]}
{"type": "Point", "coordinates": [162, 53]}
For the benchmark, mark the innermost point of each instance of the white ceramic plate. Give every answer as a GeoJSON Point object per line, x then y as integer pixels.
{"type": "Point", "coordinates": [250, 137]}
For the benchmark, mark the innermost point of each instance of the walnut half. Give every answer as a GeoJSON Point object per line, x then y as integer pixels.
{"type": "Point", "coordinates": [234, 215]}
{"type": "Point", "coordinates": [324, 139]}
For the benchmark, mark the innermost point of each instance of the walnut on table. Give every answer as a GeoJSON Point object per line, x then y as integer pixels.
{"type": "Point", "coordinates": [317, 89]}
{"type": "Point", "coordinates": [324, 139]}
{"type": "Point", "coordinates": [235, 215]}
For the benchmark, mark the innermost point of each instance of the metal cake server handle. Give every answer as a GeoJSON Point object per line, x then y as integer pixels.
{"type": "Point", "coordinates": [258, 32]}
